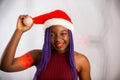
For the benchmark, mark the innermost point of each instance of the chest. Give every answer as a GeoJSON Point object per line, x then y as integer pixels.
{"type": "Point", "coordinates": [58, 68]}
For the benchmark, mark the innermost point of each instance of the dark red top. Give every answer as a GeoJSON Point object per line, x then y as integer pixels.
{"type": "Point", "coordinates": [58, 68]}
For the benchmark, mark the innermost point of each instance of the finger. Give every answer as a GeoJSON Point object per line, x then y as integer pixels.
{"type": "Point", "coordinates": [23, 16]}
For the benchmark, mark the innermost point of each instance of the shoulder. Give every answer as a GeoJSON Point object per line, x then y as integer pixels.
{"type": "Point", "coordinates": [36, 55]}
{"type": "Point", "coordinates": [81, 61]}
{"type": "Point", "coordinates": [35, 52]}
{"type": "Point", "coordinates": [80, 56]}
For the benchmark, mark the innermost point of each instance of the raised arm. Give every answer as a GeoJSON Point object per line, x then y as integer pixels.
{"type": "Point", "coordinates": [8, 62]}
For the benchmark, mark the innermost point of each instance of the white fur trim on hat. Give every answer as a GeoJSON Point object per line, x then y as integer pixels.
{"type": "Point", "coordinates": [59, 21]}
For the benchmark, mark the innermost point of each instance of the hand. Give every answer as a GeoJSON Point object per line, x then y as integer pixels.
{"type": "Point", "coordinates": [21, 26]}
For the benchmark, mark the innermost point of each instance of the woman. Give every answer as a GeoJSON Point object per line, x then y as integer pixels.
{"type": "Point", "coordinates": [57, 60]}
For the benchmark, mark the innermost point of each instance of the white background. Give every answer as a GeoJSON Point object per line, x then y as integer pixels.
{"type": "Point", "coordinates": [96, 32]}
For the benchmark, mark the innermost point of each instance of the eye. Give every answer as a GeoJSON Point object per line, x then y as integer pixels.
{"type": "Point", "coordinates": [64, 33]}
{"type": "Point", "coordinates": [52, 35]}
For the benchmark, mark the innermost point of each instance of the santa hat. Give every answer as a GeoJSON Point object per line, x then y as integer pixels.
{"type": "Point", "coordinates": [57, 17]}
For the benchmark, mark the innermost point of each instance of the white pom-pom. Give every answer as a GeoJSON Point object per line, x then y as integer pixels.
{"type": "Point", "coordinates": [28, 21]}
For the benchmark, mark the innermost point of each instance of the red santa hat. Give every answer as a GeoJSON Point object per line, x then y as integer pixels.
{"type": "Point", "coordinates": [57, 17]}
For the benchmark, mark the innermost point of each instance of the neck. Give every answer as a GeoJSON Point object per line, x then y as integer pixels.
{"type": "Point", "coordinates": [59, 52]}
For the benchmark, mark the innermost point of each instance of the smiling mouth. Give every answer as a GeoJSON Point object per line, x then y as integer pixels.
{"type": "Point", "coordinates": [60, 45]}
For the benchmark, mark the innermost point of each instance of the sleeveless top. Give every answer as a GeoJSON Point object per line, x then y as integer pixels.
{"type": "Point", "coordinates": [58, 68]}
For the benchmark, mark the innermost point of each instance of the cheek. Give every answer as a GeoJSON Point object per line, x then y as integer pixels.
{"type": "Point", "coordinates": [67, 40]}
{"type": "Point", "coordinates": [52, 41]}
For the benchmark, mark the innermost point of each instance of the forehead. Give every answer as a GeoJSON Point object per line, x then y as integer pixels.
{"type": "Point", "coordinates": [58, 28]}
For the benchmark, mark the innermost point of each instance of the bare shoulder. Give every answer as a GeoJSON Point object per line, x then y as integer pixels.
{"type": "Point", "coordinates": [81, 61]}
{"type": "Point", "coordinates": [80, 56]}
{"type": "Point", "coordinates": [36, 55]}
{"type": "Point", "coordinates": [35, 52]}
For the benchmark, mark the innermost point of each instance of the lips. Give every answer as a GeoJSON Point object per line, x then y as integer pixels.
{"type": "Point", "coordinates": [60, 45]}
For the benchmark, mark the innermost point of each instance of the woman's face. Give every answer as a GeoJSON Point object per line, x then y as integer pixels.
{"type": "Point", "coordinates": [59, 38]}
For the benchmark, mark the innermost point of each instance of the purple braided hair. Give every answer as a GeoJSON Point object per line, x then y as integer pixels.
{"type": "Point", "coordinates": [71, 56]}
{"type": "Point", "coordinates": [46, 54]}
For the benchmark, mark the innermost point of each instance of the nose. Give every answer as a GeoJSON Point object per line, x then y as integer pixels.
{"type": "Point", "coordinates": [58, 38]}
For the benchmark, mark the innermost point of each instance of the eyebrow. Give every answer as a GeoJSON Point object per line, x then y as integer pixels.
{"type": "Point", "coordinates": [64, 30]}
{"type": "Point", "coordinates": [60, 31]}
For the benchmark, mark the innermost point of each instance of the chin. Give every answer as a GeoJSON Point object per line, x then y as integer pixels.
{"type": "Point", "coordinates": [61, 50]}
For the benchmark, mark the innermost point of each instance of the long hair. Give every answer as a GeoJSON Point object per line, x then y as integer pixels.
{"type": "Point", "coordinates": [71, 56]}
{"type": "Point", "coordinates": [46, 54]}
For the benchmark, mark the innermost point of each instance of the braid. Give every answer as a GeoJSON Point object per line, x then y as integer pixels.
{"type": "Point", "coordinates": [46, 53]}
{"type": "Point", "coordinates": [71, 56]}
